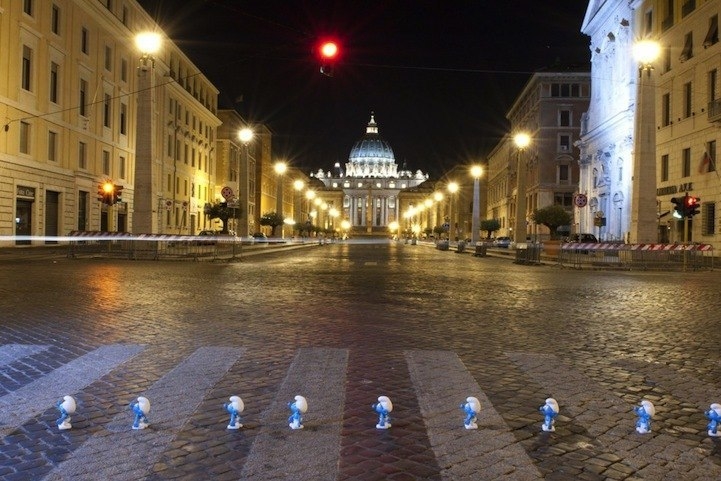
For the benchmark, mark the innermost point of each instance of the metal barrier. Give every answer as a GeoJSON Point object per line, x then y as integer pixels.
{"type": "Point", "coordinates": [637, 256]}
{"type": "Point", "coordinates": [123, 245]}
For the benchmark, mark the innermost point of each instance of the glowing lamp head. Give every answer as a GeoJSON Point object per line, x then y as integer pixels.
{"type": "Point", "coordinates": [646, 51]}
{"type": "Point", "coordinates": [522, 140]}
{"type": "Point", "coordinates": [245, 135]}
{"type": "Point", "coordinates": [148, 43]}
{"type": "Point", "coordinates": [108, 187]}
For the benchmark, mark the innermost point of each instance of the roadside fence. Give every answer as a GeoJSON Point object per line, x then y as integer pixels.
{"type": "Point", "coordinates": [637, 256]}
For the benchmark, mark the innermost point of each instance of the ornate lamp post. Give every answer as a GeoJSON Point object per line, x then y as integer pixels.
{"type": "Point", "coordinates": [476, 172]}
{"type": "Point", "coordinates": [145, 221]}
{"type": "Point", "coordinates": [280, 169]}
{"type": "Point", "coordinates": [298, 185]}
{"type": "Point", "coordinates": [452, 189]}
{"type": "Point", "coordinates": [522, 140]}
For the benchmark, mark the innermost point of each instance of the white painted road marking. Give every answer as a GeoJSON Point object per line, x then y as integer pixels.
{"type": "Point", "coordinates": [127, 455]}
{"type": "Point", "coordinates": [18, 407]}
{"type": "Point", "coordinates": [442, 384]}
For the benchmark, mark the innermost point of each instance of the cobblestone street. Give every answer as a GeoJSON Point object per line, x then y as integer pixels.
{"type": "Point", "coordinates": [343, 324]}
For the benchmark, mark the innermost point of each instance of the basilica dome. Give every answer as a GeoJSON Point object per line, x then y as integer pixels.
{"type": "Point", "coordinates": [371, 156]}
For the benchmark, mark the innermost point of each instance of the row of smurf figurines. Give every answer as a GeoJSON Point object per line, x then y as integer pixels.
{"type": "Point", "coordinates": [299, 406]}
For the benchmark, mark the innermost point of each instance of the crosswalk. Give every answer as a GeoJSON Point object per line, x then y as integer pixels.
{"type": "Point", "coordinates": [106, 447]}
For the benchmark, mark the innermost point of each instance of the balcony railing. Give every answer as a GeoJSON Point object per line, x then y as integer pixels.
{"type": "Point", "coordinates": [714, 111]}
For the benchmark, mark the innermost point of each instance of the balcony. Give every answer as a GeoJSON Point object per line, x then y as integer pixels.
{"type": "Point", "coordinates": [714, 111]}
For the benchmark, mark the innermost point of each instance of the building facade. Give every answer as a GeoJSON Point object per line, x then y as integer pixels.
{"type": "Point", "coordinates": [70, 106]}
{"type": "Point", "coordinates": [684, 117]}
{"type": "Point", "coordinates": [550, 109]}
{"type": "Point", "coordinates": [371, 183]}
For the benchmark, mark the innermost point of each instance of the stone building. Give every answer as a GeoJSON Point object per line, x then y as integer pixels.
{"type": "Point", "coordinates": [70, 108]}
{"type": "Point", "coordinates": [549, 108]}
{"type": "Point", "coordinates": [371, 183]}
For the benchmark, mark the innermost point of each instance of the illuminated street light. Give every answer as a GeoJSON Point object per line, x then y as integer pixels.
{"type": "Point", "coordinates": [476, 172]}
{"type": "Point", "coordinates": [452, 189]}
{"type": "Point", "coordinates": [522, 141]}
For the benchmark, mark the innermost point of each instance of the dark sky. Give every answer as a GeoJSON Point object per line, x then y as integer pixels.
{"type": "Point", "coordinates": [439, 75]}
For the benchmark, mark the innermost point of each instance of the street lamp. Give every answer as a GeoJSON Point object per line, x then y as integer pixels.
{"type": "Point", "coordinates": [145, 217]}
{"type": "Point", "coordinates": [452, 189]}
{"type": "Point", "coordinates": [298, 185]}
{"type": "Point", "coordinates": [522, 140]}
{"type": "Point", "coordinates": [280, 169]}
{"type": "Point", "coordinates": [476, 172]}
{"type": "Point", "coordinates": [245, 136]}
{"type": "Point", "coordinates": [437, 197]}
{"type": "Point", "coordinates": [644, 227]}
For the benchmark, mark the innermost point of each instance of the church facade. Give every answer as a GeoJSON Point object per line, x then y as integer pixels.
{"type": "Point", "coordinates": [371, 183]}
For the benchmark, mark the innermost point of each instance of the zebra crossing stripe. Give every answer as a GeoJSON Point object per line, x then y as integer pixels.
{"type": "Point", "coordinates": [313, 452]}
{"type": "Point", "coordinates": [12, 352]}
{"type": "Point", "coordinates": [122, 454]}
{"type": "Point", "coordinates": [18, 407]}
{"type": "Point", "coordinates": [442, 384]}
{"type": "Point", "coordinates": [612, 423]}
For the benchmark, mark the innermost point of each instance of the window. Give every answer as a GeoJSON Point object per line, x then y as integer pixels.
{"type": "Point", "coordinates": [106, 111]}
{"type": "Point", "coordinates": [668, 17]}
{"type": "Point", "coordinates": [563, 174]}
{"type": "Point", "coordinates": [24, 146]}
{"type": "Point", "coordinates": [648, 23]}
{"type": "Point", "coordinates": [687, 51]}
{"type": "Point", "coordinates": [712, 34]}
{"type": "Point", "coordinates": [564, 143]}
{"type": "Point", "coordinates": [687, 100]}
{"type": "Point", "coordinates": [124, 16]}
{"type": "Point", "coordinates": [54, 82]}
{"type": "Point", "coordinates": [708, 218]}
{"type": "Point", "coordinates": [121, 167]}
{"type": "Point", "coordinates": [564, 118]}
{"type": "Point", "coordinates": [28, 7]}
{"type": "Point", "coordinates": [123, 119]}
{"type": "Point", "coordinates": [687, 7]}
{"type": "Point", "coordinates": [84, 41]}
{"type": "Point", "coordinates": [564, 199]}
{"type": "Point", "coordinates": [667, 59]}
{"type": "Point", "coordinates": [710, 158]}
{"type": "Point", "coordinates": [83, 97]}
{"type": "Point", "coordinates": [686, 163]}
{"type": "Point", "coordinates": [666, 110]}
{"type": "Point", "coordinates": [108, 58]}
{"type": "Point", "coordinates": [664, 167]}
{"type": "Point", "coordinates": [82, 155]}
{"type": "Point", "coordinates": [27, 68]}
{"type": "Point", "coordinates": [52, 146]}
{"type": "Point", "coordinates": [712, 80]}
{"type": "Point", "coordinates": [106, 162]}
{"type": "Point", "coordinates": [55, 20]}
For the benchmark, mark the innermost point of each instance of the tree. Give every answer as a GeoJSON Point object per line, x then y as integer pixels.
{"type": "Point", "coordinates": [552, 217]}
{"type": "Point", "coordinates": [220, 210]}
{"type": "Point", "coordinates": [490, 225]}
{"type": "Point", "coordinates": [272, 219]}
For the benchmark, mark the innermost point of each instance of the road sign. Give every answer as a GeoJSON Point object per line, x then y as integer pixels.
{"type": "Point", "coordinates": [580, 200]}
{"type": "Point", "coordinates": [226, 192]}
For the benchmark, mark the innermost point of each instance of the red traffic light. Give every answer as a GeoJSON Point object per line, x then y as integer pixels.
{"type": "Point", "coordinates": [329, 50]}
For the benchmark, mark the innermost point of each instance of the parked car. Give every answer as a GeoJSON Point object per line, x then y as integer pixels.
{"type": "Point", "coordinates": [210, 238]}
{"type": "Point", "coordinates": [585, 238]}
{"type": "Point", "coordinates": [504, 242]}
{"type": "Point", "coordinates": [260, 237]}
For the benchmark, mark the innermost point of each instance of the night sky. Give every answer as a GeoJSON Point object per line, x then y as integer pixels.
{"type": "Point", "coordinates": [439, 75]}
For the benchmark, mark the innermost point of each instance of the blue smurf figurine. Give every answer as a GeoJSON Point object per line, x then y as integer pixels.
{"type": "Point", "coordinates": [644, 412]}
{"type": "Point", "coordinates": [383, 407]}
{"type": "Point", "coordinates": [471, 407]}
{"type": "Point", "coordinates": [714, 417]}
{"type": "Point", "coordinates": [234, 408]}
{"type": "Point", "coordinates": [550, 411]}
{"type": "Point", "coordinates": [141, 408]}
{"type": "Point", "coordinates": [66, 407]}
{"type": "Point", "coordinates": [297, 408]}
